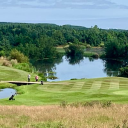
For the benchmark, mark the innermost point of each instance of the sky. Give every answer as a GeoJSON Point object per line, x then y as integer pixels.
{"type": "Point", "coordinates": [106, 14]}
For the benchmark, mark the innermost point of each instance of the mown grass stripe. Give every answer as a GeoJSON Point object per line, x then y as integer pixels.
{"type": "Point", "coordinates": [86, 86]}
{"type": "Point", "coordinates": [105, 85]}
{"type": "Point", "coordinates": [96, 85]}
{"type": "Point", "coordinates": [78, 86]}
{"type": "Point", "coordinates": [67, 87]}
{"type": "Point", "coordinates": [114, 85]}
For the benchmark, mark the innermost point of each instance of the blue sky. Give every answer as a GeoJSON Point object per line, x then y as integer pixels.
{"type": "Point", "coordinates": [103, 13]}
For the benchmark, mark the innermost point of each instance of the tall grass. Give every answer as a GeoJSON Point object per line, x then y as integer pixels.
{"type": "Point", "coordinates": [69, 117]}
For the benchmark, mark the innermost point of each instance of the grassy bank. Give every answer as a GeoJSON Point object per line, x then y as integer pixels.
{"type": "Point", "coordinates": [12, 74]}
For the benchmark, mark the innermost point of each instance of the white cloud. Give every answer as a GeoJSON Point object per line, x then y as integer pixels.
{"type": "Point", "coordinates": [73, 4]}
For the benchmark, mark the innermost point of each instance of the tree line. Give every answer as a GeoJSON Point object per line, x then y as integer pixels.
{"type": "Point", "coordinates": [38, 41]}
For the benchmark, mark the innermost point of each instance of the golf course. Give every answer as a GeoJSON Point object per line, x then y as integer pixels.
{"type": "Point", "coordinates": [83, 103]}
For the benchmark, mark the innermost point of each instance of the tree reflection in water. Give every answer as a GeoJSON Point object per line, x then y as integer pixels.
{"type": "Point", "coordinates": [65, 68]}
{"type": "Point", "coordinates": [112, 66]}
{"type": "Point", "coordinates": [74, 59]}
{"type": "Point", "coordinates": [47, 66]}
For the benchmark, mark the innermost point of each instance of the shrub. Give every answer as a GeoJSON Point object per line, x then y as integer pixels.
{"type": "Point", "coordinates": [42, 76]}
{"type": "Point", "coordinates": [73, 79]}
{"type": "Point", "coordinates": [123, 71]}
{"type": "Point", "coordinates": [20, 57]}
{"type": "Point", "coordinates": [88, 46]}
{"type": "Point", "coordinates": [91, 103]}
{"type": "Point", "coordinates": [13, 62]}
{"type": "Point", "coordinates": [2, 53]}
{"type": "Point", "coordinates": [52, 77]}
{"type": "Point", "coordinates": [102, 55]}
{"type": "Point", "coordinates": [106, 104]}
{"type": "Point", "coordinates": [24, 66]}
{"type": "Point", "coordinates": [64, 104]}
{"type": "Point", "coordinates": [95, 55]}
{"type": "Point", "coordinates": [7, 63]}
{"type": "Point", "coordinates": [74, 50]}
{"type": "Point", "coordinates": [102, 44]}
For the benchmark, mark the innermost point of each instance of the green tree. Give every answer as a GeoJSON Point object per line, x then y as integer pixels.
{"type": "Point", "coordinates": [123, 72]}
{"type": "Point", "coordinates": [74, 50]}
{"type": "Point", "coordinates": [114, 49]}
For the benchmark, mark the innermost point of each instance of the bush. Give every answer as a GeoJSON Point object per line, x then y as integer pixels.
{"type": "Point", "coordinates": [73, 79]}
{"type": "Point", "coordinates": [52, 77]}
{"type": "Point", "coordinates": [63, 104]}
{"type": "Point", "coordinates": [103, 104]}
{"type": "Point", "coordinates": [102, 44]}
{"type": "Point", "coordinates": [20, 57]}
{"type": "Point", "coordinates": [106, 104]}
{"type": "Point", "coordinates": [95, 55]}
{"type": "Point", "coordinates": [88, 46]}
{"type": "Point", "coordinates": [74, 50]}
{"type": "Point", "coordinates": [42, 76]}
{"type": "Point", "coordinates": [2, 53]}
{"type": "Point", "coordinates": [24, 66]}
{"type": "Point", "coordinates": [123, 72]}
{"type": "Point", "coordinates": [13, 62]}
{"type": "Point", "coordinates": [7, 63]}
{"type": "Point", "coordinates": [102, 55]}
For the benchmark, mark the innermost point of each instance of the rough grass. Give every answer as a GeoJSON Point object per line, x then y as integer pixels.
{"type": "Point", "coordinates": [69, 117]}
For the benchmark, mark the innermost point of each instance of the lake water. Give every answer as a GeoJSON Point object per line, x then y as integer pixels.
{"type": "Point", "coordinates": [87, 68]}
{"type": "Point", "coordinates": [6, 93]}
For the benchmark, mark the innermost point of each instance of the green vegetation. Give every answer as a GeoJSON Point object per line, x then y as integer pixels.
{"type": "Point", "coordinates": [74, 50]}
{"type": "Point", "coordinates": [12, 74]}
{"type": "Point", "coordinates": [91, 54]}
{"type": "Point", "coordinates": [38, 41]}
{"type": "Point", "coordinates": [116, 48]}
{"type": "Point", "coordinates": [101, 89]}
{"type": "Point", "coordinates": [15, 54]}
{"type": "Point", "coordinates": [124, 71]}
{"type": "Point", "coordinates": [25, 67]}
{"type": "Point", "coordinates": [74, 103]}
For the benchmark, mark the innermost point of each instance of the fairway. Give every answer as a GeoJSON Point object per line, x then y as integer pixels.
{"type": "Point", "coordinates": [113, 89]}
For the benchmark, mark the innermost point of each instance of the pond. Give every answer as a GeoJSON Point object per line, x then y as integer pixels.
{"type": "Point", "coordinates": [65, 69]}
{"type": "Point", "coordinates": [6, 93]}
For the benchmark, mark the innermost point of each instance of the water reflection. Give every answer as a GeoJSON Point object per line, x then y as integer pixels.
{"type": "Point", "coordinates": [112, 66]}
{"type": "Point", "coordinates": [66, 69]}
{"type": "Point", "coordinates": [74, 60]}
{"type": "Point", "coordinates": [47, 66]}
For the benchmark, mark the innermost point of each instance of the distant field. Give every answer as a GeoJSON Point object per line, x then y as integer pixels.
{"type": "Point", "coordinates": [97, 50]}
{"type": "Point", "coordinates": [60, 49]}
